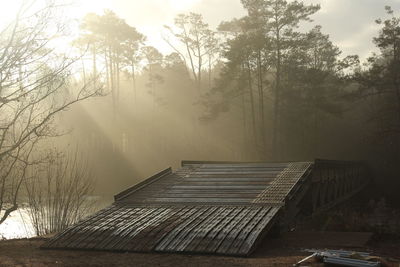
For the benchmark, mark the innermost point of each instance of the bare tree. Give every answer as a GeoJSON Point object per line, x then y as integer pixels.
{"type": "Point", "coordinates": [35, 85]}
{"type": "Point", "coordinates": [199, 43]}
{"type": "Point", "coordinates": [58, 192]}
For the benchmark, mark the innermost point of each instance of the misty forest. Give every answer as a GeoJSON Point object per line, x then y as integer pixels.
{"type": "Point", "coordinates": [89, 108]}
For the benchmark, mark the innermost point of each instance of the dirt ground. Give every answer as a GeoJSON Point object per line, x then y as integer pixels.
{"type": "Point", "coordinates": [283, 251]}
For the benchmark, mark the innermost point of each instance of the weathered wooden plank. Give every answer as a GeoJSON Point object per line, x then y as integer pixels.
{"type": "Point", "coordinates": [84, 232]}
{"type": "Point", "coordinates": [202, 230]}
{"type": "Point", "coordinates": [202, 190]}
{"type": "Point", "coordinates": [148, 220]}
{"type": "Point", "coordinates": [230, 238]}
{"type": "Point", "coordinates": [148, 230]}
{"type": "Point", "coordinates": [219, 239]}
{"type": "Point", "coordinates": [246, 230]}
{"type": "Point", "coordinates": [63, 238]}
{"type": "Point", "coordinates": [205, 195]}
{"type": "Point", "coordinates": [102, 229]}
{"type": "Point", "coordinates": [200, 200]}
{"type": "Point", "coordinates": [205, 242]}
{"type": "Point", "coordinates": [197, 229]}
{"type": "Point", "coordinates": [233, 172]}
{"type": "Point", "coordinates": [220, 187]}
{"type": "Point", "coordinates": [233, 176]}
{"type": "Point", "coordinates": [233, 195]}
{"type": "Point", "coordinates": [229, 179]}
{"type": "Point", "coordinates": [163, 229]}
{"type": "Point", "coordinates": [251, 239]}
{"type": "Point", "coordinates": [239, 165]}
{"type": "Point", "coordinates": [187, 228]}
{"type": "Point", "coordinates": [192, 187]}
{"type": "Point", "coordinates": [140, 216]}
{"type": "Point", "coordinates": [88, 234]}
{"type": "Point", "coordinates": [142, 184]}
{"type": "Point", "coordinates": [189, 218]}
{"type": "Point", "coordinates": [225, 183]}
{"type": "Point", "coordinates": [119, 226]}
{"type": "Point", "coordinates": [236, 170]}
{"type": "Point", "coordinates": [110, 231]}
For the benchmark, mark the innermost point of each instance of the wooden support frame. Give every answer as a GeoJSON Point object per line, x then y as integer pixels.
{"type": "Point", "coordinates": [335, 181]}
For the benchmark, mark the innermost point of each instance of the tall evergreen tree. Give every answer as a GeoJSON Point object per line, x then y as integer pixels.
{"type": "Point", "coordinates": [278, 20]}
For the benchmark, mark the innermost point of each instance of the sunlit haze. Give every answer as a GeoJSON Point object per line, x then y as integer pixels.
{"type": "Point", "coordinates": [251, 118]}
{"type": "Point", "coordinates": [352, 34]}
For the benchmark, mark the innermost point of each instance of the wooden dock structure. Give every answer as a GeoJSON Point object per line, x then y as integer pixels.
{"type": "Point", "coordinates": [213, 207]}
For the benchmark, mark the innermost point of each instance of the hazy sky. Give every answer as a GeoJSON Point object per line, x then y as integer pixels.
{"type": "Point", "coordinates": [350, 23]}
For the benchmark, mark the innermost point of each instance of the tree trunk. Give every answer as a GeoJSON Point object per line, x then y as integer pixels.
{"type": "Point", "coordinates": [117, 71]}
{"type": "Point", "coordinates": [253, 115]}
{"type": "Point", "coordinates": [209, 72]}
{"type": "Point", "coordinates": [112, 82]}
{"type": "Point", "coordinates": [275, 126]}
{"type": "Point", "coordinates": [261, 99]}
{"type": "Point", "coordinates": [7, 213]}
{"type": "Point", "coordinates": [83, 71]}
{"type": "Point", "coordinates": [191, 59]}
{"type": "Point", "coordinates": [94, 66]}
{"type": "Point", "coordinates": [245, 139]}
{"type": "Point", "coordinates": [133, 81]}
{"type": "Point", "coordinates": [200, 62]}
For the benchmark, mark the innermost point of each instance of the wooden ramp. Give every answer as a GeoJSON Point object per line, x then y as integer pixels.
{"type": "Point", "coordinates": [204, 207]}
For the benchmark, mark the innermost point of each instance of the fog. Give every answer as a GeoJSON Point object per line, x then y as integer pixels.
{"type": "Point", "coordinates": [150, 133]}
{"type": "Point", "coordinates": [133, 90]}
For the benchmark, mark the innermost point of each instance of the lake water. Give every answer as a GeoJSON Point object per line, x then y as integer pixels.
{"type": "Point", "coordinates": [17, 225]}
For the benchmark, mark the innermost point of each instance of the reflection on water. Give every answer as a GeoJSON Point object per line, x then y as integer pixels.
{"type": "Point", "coordinates": [17, 225]}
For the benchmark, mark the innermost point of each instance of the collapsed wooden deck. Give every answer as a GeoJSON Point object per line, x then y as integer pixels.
{"type": "Point", "coordinates": [204, 207]}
